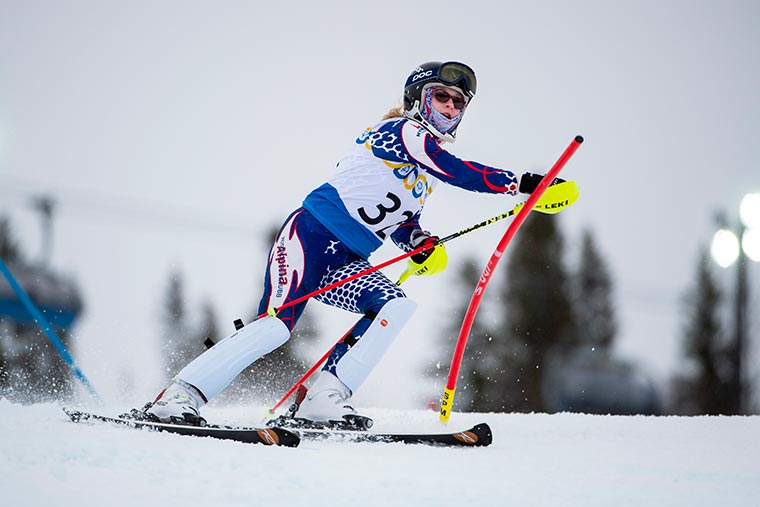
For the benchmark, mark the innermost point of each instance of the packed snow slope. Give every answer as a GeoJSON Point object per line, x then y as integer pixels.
{"type": "Point", "coordinates": [536, 459]}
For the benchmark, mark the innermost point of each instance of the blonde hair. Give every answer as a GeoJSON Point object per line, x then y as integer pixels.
{"type": "Point", "coordinates": [396, 112]}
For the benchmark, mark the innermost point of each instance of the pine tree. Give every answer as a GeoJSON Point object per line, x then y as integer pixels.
{"type": "Point", "coordinates": [9, 249]}
{"type": "Point", "coordinates": [579, 371]}
{"type": "Point", "coordinates": [592, 298]}
{"type": "Point", "coordinates": [538, 308]}
{"type": "Point", "coordinates": [178, 347]}
{"type": "Point", "coordinates": [208, 328]}
{"type": "Point", "coordinates": [703, 389]}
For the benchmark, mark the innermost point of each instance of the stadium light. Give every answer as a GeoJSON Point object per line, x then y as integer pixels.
{"type": "Point", "coordinates": [725, 248]}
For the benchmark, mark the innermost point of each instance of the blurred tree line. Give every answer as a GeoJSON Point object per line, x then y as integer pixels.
{"type": "Point", "coordinates": [546, 344]}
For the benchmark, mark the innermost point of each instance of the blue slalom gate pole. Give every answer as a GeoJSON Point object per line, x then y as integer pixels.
{"type": "Point", "coordinates": [46, 327]}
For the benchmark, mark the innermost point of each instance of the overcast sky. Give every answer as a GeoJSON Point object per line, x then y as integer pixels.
{"type": "Point", "coordinates": [173, 134]}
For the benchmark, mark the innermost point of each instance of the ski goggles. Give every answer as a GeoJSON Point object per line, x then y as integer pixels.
{"type": "Point", "coordinates": [459, 75]}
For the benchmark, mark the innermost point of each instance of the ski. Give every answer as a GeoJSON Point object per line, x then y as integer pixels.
{"type": "Point", "coordinates": [353, 428]}
{"type": "Point", "coordinates": [479, 435]}
{"type": "Point", "coordinates": [266, 436]}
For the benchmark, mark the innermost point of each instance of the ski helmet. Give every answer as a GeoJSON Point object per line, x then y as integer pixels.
{"type": "Point", "coordinates": [454, 75]}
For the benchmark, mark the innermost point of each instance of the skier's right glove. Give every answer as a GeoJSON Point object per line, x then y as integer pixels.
{"type": "Point", "coordinates": [529, 182]}
{"type": "Point", "coordinates": [428, 262]}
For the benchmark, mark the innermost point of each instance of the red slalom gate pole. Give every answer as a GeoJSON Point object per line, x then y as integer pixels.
{"type": "Point", "coordinates": [447, 399]}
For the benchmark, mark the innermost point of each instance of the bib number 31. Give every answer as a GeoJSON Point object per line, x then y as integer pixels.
{"type": "Point", "coordinates": [383, 210]}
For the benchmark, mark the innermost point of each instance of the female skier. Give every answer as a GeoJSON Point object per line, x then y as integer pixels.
{"type": "Point", "coordinates": [379, 190]}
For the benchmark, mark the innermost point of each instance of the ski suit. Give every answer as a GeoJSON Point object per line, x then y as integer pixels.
{"type": "Point", "coordinates": [379, 190]}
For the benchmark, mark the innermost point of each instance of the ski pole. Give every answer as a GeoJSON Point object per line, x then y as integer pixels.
{"type": "Point", "coordinates": [41, 321]}
{"type": "Point", "coordinates": [562, 195]}
{"type": "Point", "coordinates": [447, 399]}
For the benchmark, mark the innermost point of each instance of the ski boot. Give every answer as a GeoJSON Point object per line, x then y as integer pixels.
{"type": "Point", "coordinates": [324, 406]}
{"type": "Point", "coordinates": [177, 404]}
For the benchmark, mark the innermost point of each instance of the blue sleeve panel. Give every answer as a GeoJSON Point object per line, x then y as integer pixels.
{"type": "Point", "coordinates": [467, 174]}
{"type": "Point", "coordinates": [409, 142]}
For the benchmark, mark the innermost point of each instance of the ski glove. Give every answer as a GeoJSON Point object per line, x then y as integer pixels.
{"type": "Point", "coordinates": [529, 182]}
{"type": "Point", "coordinates": [428, 262]}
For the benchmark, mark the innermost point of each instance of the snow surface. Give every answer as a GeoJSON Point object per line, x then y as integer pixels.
{"type": "Point", "coordinates": [536, 459]}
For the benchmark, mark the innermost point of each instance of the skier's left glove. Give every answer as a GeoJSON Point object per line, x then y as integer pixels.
{"type": "Point", "coordinates": [529, 182]}
{"type": "Point", "coordinates": [428, 262]}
